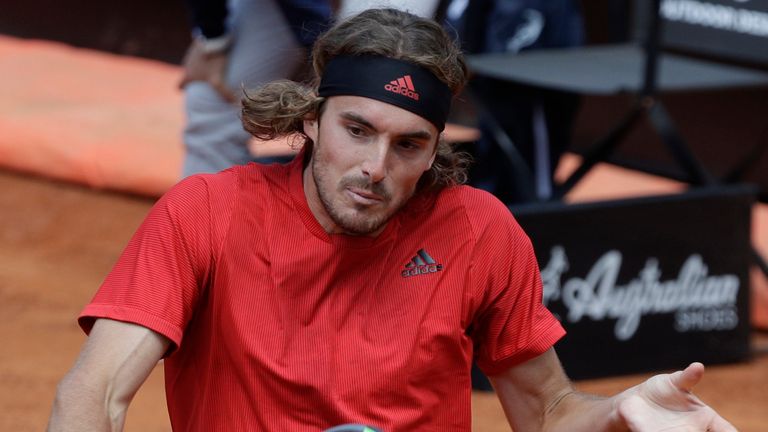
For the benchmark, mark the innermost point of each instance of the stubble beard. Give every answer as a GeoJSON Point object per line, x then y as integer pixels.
{"type": "Point", "coordinates": [357, 219]}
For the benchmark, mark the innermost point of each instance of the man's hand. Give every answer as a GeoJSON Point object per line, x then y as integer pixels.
{"type": "Point", "coordinates": [665, 403]}
{"type": "Point", "coordinates": [210, 67]}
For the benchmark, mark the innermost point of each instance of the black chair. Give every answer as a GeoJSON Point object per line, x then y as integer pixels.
{"type": "Point", "coordinates": [655, 62]}
{"type": "Point", "coordinates": [643, 68]}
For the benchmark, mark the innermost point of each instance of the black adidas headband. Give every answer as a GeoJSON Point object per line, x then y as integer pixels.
{"type": "Point", "coordinates": [395, 82]}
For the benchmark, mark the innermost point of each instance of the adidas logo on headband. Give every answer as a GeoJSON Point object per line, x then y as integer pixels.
{"type": "Point", "coordinates": [403, 86]}
{"type": "Point", "coordinates": [370, 76]}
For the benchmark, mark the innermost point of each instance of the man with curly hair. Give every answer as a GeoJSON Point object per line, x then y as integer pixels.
{"type": "Point", "coordinates": [354, 284]}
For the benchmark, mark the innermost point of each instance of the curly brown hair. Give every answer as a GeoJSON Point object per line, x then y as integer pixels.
{"type": "Point", "coordinates": [278, 109]}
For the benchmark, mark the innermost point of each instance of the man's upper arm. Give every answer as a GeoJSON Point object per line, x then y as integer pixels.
{"type": "Point", "coordinates": [119, 355]}
{"type": "Point", "coordinates": [531, 390]}
{"type": "Point", "coordinates": [113, 364]}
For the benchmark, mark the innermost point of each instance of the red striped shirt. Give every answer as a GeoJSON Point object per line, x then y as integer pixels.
{"type": "Point", "coordinates": [277, 325]}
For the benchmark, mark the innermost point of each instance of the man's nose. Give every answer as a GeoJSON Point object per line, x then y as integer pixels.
{"type": "Point", "coordinates": [375, 163]}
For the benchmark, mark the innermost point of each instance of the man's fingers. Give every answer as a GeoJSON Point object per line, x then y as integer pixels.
{"type": "Point", "coordinates": [224, 91]}
{"type": "Point", "coordinates": [686, 379]}
{"type": "Point", "coordinates": [183, 81]}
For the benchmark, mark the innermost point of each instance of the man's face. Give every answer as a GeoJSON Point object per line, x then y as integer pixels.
{"type": "Point", "coordinates": [367, 158]}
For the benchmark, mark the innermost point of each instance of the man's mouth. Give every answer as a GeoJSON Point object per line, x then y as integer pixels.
{"type": "Point", "coordinates": [364, 196]}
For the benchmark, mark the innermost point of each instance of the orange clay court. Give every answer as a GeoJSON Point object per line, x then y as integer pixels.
{"type": "Point", "coordinates": [87, 142]}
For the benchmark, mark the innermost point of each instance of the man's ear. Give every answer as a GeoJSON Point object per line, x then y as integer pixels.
{"type": "Point", "coordinates": [431, 162]}
{"type": "Point", "coordinates": [434, 153]}
{"type": "Point", "coordinates": [310, 128]}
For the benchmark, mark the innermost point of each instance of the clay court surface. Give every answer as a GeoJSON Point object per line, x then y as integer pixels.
{"type": "Point", "coordinates": [66, 213]}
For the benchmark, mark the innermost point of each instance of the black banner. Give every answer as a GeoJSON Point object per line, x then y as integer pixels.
{"type": "Point", "coordinates": [736, 29]}
{"type": "Point", "coordinates": [646, 284]}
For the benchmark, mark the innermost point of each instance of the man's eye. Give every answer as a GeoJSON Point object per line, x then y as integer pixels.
{"type": "Point", "coordinates": [355, 131]}
{"type": "Point", "coordinates": [408, 145]}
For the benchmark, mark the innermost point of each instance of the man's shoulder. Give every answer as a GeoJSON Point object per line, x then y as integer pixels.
{"type": "Point", "coordinates": [472, 200]}
{"type": "Point", "coordinates": [202, 186]}
{"type": "Point", "coordinates": [481, 210]}
{"type": "Point", "coordinates": [251, 177]}
{"type": "Point", "coordinates": [228, 186]}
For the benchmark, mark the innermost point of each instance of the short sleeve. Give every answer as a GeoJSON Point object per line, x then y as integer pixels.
{"type": "Point", "coordinates": [163, 270]}
{"type": "Point", "coordinates": [511, 324]}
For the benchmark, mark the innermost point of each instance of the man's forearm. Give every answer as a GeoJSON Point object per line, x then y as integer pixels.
{"type": "Point", "coordinates": [537, 395]}
{"type": "Point", "coordinates": [115, 361]}
{"type": "Point", "coordinates": [577, 412]}
{"type": "Point", "coordinates": [82, 407]}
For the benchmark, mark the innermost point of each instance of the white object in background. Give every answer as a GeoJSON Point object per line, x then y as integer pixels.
{"type": "Point", "coordinates": [424, 8]}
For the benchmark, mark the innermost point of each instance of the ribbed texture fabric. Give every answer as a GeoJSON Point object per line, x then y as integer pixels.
{"type": "Point", "coordinates": [280, 326]}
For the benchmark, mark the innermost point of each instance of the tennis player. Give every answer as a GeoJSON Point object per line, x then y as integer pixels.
{"type": "Point", "coordinates": [355, 284]}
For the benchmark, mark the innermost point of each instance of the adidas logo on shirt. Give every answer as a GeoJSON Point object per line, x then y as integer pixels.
{"type": "Point", "coordinates": [421, 264]}
{"type": "Point", "coordinates": [403, 86]}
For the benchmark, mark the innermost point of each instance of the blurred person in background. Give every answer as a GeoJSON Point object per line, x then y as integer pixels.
{"type": "Point", "coordinates": [422, 8]}
{"type": "Point", "coordinates": [239, 44]}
